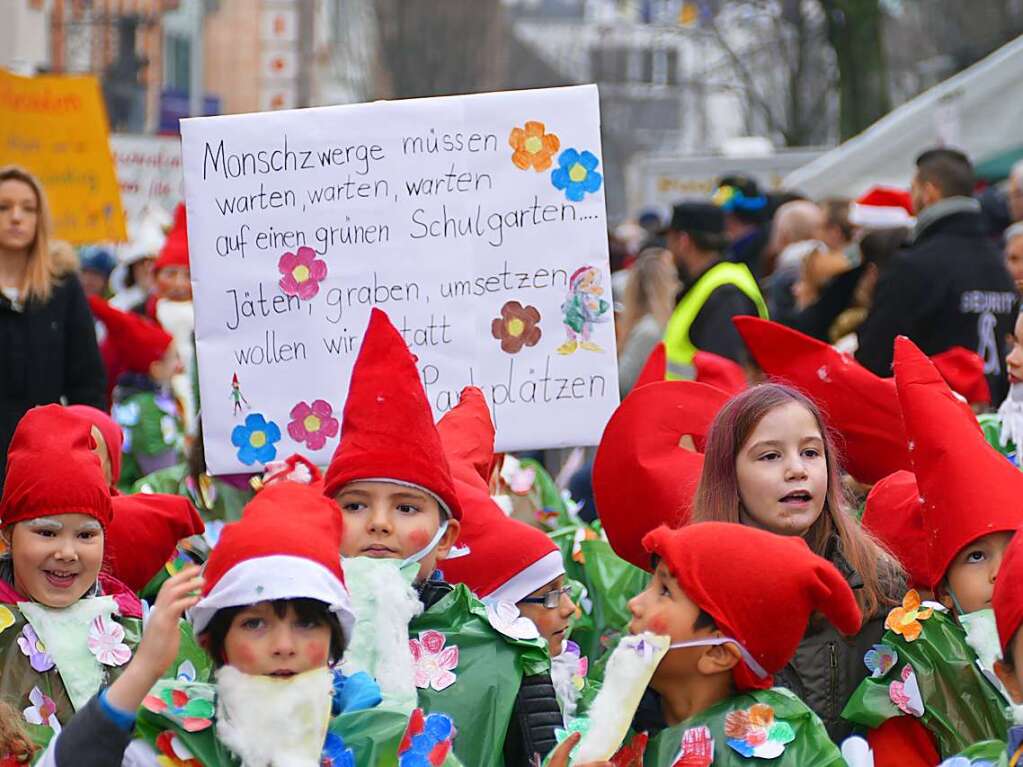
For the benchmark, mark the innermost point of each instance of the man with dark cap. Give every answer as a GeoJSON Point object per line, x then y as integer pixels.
{"type": "Point", "coordinates": [746, 212]}
{"type": "Point", "coordinates": [715, 290]}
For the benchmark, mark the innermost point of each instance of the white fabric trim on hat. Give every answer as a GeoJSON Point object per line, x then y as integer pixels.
{"type": "Point", "coordinates": [274, 577]}
{"type": "Point", "coordinates": [524, 583]}
{"type": "Point", "coordinates": [879, 217]}
{"type": "Point", "coordinates": [403, 483]}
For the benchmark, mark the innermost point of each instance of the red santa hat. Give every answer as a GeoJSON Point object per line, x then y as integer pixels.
{"type": "Point", "coordinates": [747, 579]}
{"type": "Point", "coordinates": [642, 477]}
{"type": "Point", "coordinates": [52, 469]}
{"type": "Point", "coordinates": [883, 207]}
{"type": "Point", "coordinates": [144, 533]}
{"type": "Point", "coordinates": [112, 435]}
{"type": "Point", "coordinates": [387, 432]}
{"type": "Point", "coordinates": [286, 546]}
{"type": "Point", "coordinates": [294, 468]}
{"type": "Point", "coordinates": [862, 407]}
{"type": "Point", "coordinates": [507, 560]}
{"type": "Point", "coordinates": [175, 248]}
{"type": "Point", "coordinates": [894, 515]}
{"type": "Point", "coordinates": [963, 370]}
{"type": "Point", "coordinates": [1008, 597]}
{"type": "Point", "coordinates": [654, 369]}
{"type": "Point", "coordinates": [139, 342]}
{"type": "Point", "coordinates": [968, 488]}
{"type": "Point", "coordinates": [720, 372]}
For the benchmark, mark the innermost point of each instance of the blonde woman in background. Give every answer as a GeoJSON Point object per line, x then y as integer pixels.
{"type": "Point", "coordinates": [48, 347]}
{"type": "Point", "coordinates": [649, 299]}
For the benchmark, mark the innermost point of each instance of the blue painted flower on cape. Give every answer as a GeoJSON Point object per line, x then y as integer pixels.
{"type": "Point", "coordinates": [427, 740]}
{"type": "Point", "coordinates": [335, 753]}
{"type": "Point", "coordinates": [256, 439]}
{"type": "Point", "coordinates": [576, 174]}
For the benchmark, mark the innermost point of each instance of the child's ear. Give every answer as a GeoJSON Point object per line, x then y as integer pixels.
{"type": "Point", "coordinates": [718, 659]}
{"type": "Point", "coordinates": [448, 539]}
{"type": "Point", "coordinates": [1007, 675]}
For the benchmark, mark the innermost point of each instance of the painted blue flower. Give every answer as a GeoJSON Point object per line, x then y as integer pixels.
{"type": "Point", "coordinates": [335, 754]}
{"type": "Point", "coordinates": [256, 439]}
{"type": "Point", "coordinates": [577, 174]}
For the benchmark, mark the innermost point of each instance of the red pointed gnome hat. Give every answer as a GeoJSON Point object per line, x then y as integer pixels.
{"type": "Point", "coordinates": [52, 469]}
{"type": "Point", "coordinates": [295, 468]}
{"type": "Point", "coordinates": [859, 405]}
{"type": "Point", "coordinates": [175, 248]}
{"type": "Point", "coordinates": [968, 487]}
{"type": "Point", "coordinates": [467, 436]}
{"type": "Point", "coordinates": [963, 371]}
{"type": "Point", "coordinates": [642, 477]}
{"type": "Point", "coordinates": [654, 369]}
{"type": "Point", "coordinates": [286, 546]}
{"type": "Point", "coordinates": [1008, 597]}
{"type": "Point", "coordinates": [139, 341]}
{"type": "Point", "coordinates": [883, 207]}
{"type": "Point", "coordinates": [387, 431]}
{"type": "Point", "coordinates": [144, 532]}
{"type": "Point", "coordinates": [720, 372]}
{"type": "Point", "coordinates": [506, 559]}
{"type": "Point", "coordinates": [759, 587]}
{"type": "Point", "coordinates": [111, 432]}
{"type": "Point", "coordinates": [894, 515]}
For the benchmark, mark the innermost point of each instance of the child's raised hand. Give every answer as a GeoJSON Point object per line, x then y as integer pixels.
{"type": "Point", "coordinates": [160, 641]}
{"type": "Point", "coordinates": [560, 756]}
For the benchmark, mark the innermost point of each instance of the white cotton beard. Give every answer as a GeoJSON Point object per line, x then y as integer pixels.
{"type": "Point", "coordinates": [1011, 416]}
{"type": "Point", "coordinates": [178, 319]}
{"type": "Point", "coordinates": [628, 673]}
{"type": "Point", "coordinates": [274, 722]}
{"type": "Point", "coordinates": [563, 668]}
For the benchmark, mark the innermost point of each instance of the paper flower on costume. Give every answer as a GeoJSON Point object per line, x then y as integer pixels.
{"type": "Point", "coordinates": [516, 327]}
{"type": "Point", "coordinates": [43, 710]}
{"type": "Point", "coordinates": [6, 619]}
{"type": "Point", "coordinates": [905, 620]}
{"type": "Point", "coordinates": [580, 724]}
{"type": "Point", "coordinates": [755, 732]}
{"type": "Point", "coordinates": [632, 752]}
{"type": "Point", "coordinates": [581, 534]}
{"type": "Point", "coordinates": [697, 748]}
{"type": "Point", "coordinates": [581, 666]}
{"type": "Point", "coordinates": [879, 660]}
{"type": "Point", "coordinates": [106, 642]}
{"type": "Point", "coordinates": [173, 752]}
{"type": "Point", "coordinates": [576, 174]}
{"type": "Point", "coordinates": [313, 423]}
{"type": "Point", "coordinates": [534, 147]}
{"type": "Point", "coordinates": [905, 693]}
{"type": "Point", "coordinates": [303, 272]}
{"type": "Point", "coordinates": [434, 663]}
{"type": "Point", "coordinates": [186, 672]}
{"type": "Point", "coordinates": [194, 712]}
{"type": "Point", "coordinates": [256, 439]}
{"type": "Point", "coordinates": [506, 618]}
{"type": "Point", "coordinates": [335, 753]}
{"type": "Point", "coordinates": [427, 740]}
{"type": "Point", "coordinates": [34, 649]}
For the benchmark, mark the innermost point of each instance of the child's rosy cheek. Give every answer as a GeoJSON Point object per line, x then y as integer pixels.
{"type": "Point", "coordinates": [243, 656]}
{"type": "Point", "coordinates": [418, 539]}
{"type": "Point", "coordinates": [658, 625]}
{"type": "Point", "coordinates": [317, 654]}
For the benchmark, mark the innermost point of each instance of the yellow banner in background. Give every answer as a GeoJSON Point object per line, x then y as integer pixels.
{"type": "Point", "coordinates": [56, 127]}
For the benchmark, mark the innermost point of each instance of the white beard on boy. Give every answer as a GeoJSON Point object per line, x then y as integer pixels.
{"type": "Point", "coordinates": [274, 722]}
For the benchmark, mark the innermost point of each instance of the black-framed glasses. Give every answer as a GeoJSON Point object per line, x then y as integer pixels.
{"type": "Point", "coordinates": [551, 600]}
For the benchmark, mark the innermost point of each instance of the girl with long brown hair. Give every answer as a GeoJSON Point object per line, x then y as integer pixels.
{"type": "Point", "coordinates": [48, 347]}
{"type": "Point", "coordinates": [771, 462]}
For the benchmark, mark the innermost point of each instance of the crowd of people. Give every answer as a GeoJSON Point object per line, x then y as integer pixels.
{"type": "Point", "coordinates": [795, 543]}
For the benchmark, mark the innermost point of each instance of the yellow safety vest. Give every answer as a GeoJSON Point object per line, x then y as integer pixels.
{"type": "Point", "coordinates": [678, 346]}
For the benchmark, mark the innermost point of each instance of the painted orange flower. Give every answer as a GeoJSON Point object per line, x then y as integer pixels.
{"type": "Point", "coordinates": [516, 327]}
{"type": "Point", "coordinates": [534, 148]}
{"type": "Point", "coordinates": [905, 620]}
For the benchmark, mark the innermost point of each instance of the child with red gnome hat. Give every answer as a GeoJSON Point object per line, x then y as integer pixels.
{"type": "Point", "coordinates": [69, 628]}
{"type": "Point", "coordinates": [730, 628]}
{"type": "Point", "coordinates": [514, 568]}
{"type": "Point", "coordinates": [932, 691]}
{"type": "Point", "coordinates": [391, 479]}
{"type": "Point", "coordinates": [144, 406]}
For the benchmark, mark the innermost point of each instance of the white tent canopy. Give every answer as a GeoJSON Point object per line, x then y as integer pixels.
{"type": "Point", "coordinates": [979, 111]}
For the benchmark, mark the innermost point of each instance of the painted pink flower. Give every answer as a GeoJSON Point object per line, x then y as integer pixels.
{"type": "Point", "coordinates": [43, 710]}
{"type": "Point", "coordinates": [433, 661]}
{"type": "Point", "coordinates": [303, 272]}
{"type": "Point", "coordinates": [313, 424]}
{"type": "Point", "coordinates": [106, 642]}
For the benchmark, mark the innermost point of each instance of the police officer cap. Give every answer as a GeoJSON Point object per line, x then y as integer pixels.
{"type": "Point", "coordinates": [697, 217]}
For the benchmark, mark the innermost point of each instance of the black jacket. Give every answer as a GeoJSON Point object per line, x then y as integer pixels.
{"type": "Point", "coordinates": [950, 288]}
{"type": "Point", "coordinates": [47, 352]}
{"type": "Point", "coordinates": [536, 714]}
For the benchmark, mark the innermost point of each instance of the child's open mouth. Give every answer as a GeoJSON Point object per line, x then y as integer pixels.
{"type": "Point", "coordinates": [797, 498]}
{"type": "Point", "coordinates": [282, 674]}
{"type": "Point", "coordinates": [60, 579]}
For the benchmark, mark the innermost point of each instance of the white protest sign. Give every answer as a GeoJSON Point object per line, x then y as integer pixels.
{"type": "Point", "coordinates": [149, 172]}
{"type": "Point", "coordinates": [476, 223]}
